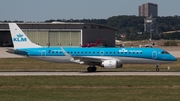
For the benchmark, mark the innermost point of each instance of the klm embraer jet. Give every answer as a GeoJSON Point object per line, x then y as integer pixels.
{"type": "Point", "coordinates": [94, 56]}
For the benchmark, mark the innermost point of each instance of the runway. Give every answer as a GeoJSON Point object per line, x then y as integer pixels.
{"type": "Point", "coordinates": [89, 74]}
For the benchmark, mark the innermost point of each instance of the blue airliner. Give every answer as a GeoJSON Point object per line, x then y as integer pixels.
{"type": "Point", "coordinates": [94, 56]}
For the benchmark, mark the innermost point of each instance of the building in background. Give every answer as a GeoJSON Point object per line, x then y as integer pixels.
{"type": "Point", "coordinates": [148, 9]}
{"type": "Point", "coordinates": [61, 34]}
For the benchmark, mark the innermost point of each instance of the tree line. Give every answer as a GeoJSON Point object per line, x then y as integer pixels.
{"type": "Point", "coordinates": [132, 26]}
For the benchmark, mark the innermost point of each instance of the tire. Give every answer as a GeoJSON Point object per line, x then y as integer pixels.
{"type": "Point", "coordinates": [91, 69]}
{"type": "Point", "coordinates": [157, 69]}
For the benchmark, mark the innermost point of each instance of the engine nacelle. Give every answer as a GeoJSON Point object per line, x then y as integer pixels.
{"type": "Point", "coordinates": [111, 64]}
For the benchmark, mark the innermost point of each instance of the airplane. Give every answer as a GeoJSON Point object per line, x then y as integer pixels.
{"type": "Point", "coordinates": [106, 57]}
{"type": "Point", "coordinates": [92, 44]}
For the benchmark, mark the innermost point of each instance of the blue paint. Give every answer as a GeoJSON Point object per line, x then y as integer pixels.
{"type": "Point", "coordinates": [147, 53]}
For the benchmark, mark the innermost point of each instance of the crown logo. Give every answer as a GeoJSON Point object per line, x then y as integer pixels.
{"type": "Point", "coordinates": [19, 35]}
{"type": "Point", "coordinates": [123, 50]}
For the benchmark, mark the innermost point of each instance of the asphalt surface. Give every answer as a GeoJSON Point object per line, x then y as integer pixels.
{"type": "Point", "coordinates": [89, 74]}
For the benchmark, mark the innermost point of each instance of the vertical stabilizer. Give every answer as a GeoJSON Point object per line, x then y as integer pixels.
{"type": "Point", "coordinates": [98, 42]}
{"type": "Point", "coordinates": [19, 39]}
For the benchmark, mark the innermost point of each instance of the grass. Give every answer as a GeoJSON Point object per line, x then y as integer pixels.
{"type": "Point", "coordinates": [29, 64]}
{"type": "Point", "coordinates": [85, 88]}
{"type": "Point", "coordinates": [90, 88]}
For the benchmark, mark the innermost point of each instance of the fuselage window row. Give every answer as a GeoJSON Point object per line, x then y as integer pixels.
{"type": "Point", "coordinates": [51, 51]}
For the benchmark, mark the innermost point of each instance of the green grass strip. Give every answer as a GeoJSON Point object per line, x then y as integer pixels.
{"type": "Point", "coordinates": [90, 88]}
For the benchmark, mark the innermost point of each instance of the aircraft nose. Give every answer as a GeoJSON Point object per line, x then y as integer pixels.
{"type": "Point", "coordinates": [173, 58]}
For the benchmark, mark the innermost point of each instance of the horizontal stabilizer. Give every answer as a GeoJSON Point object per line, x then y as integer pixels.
{"type": "Point", "coordinates": [19, 52]}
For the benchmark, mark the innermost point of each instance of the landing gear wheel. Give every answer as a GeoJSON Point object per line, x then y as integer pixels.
{"type": "Point", "coordinates": [94, 69]}
{"type": "Point", "coordinates": [91, 69]}
{"type": "Point", "coordinates": [157, 69]}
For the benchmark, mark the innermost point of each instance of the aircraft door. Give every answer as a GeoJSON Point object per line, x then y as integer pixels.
{"type": "Point", "coordinates": [154, 54]}
{"type": "Point", "coordinates": [43, 53]}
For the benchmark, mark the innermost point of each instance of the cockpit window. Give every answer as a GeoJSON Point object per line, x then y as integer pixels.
{"type": "Point", "coordinates": [165, 52]}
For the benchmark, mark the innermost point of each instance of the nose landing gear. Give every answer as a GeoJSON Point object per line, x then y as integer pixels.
{"type": "Point", "coordinates": [157, 67]}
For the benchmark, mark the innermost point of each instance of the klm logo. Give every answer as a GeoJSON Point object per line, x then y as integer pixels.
{"type": "Point", "coordinates": [19, 38]}
{"type": "Point", "coordinates": [123, 50]}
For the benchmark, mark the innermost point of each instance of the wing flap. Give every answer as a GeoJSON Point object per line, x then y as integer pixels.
{"type": "Point", "coordinates": [88, 59]}
{"type": "Point", "coordinates": [93, 59]}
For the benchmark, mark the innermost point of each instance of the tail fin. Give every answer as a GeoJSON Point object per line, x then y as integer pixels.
{"type": "Point", "coordinates": [19, 39]}
{"type": "Point", "coordinates": [98, 42]}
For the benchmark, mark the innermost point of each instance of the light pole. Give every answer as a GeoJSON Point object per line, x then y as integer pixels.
{"type": "Point", "coordinates": [151, 29]}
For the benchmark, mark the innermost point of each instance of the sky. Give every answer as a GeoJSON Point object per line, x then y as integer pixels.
{"type": "Point", "coordinates": [41, 10]}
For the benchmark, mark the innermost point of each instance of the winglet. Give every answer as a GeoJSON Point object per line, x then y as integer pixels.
{"type": "Point", "coordinates": [20, 40]}
{"type": "Point", "coordinates": [65, 53]}
{"type": "Point", "coordinates": [72, 58]}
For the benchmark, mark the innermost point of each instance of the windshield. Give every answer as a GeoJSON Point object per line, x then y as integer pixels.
{"type": "Point", "coordinates": [164, 52]}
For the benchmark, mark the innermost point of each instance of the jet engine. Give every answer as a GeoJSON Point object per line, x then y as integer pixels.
{"type": "Point", "coordinates": [111, 64]}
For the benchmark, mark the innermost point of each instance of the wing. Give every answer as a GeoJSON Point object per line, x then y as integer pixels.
{"type": "Point", "coordinates": [91, 59]}
{"type": "Point", "coordinates": [88, 59]}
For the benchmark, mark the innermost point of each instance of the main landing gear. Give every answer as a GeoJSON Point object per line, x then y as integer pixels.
{"type": "Point", "coordinates": [157, 67]}
{"type": "Point", "coordinates": [91, 69]}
